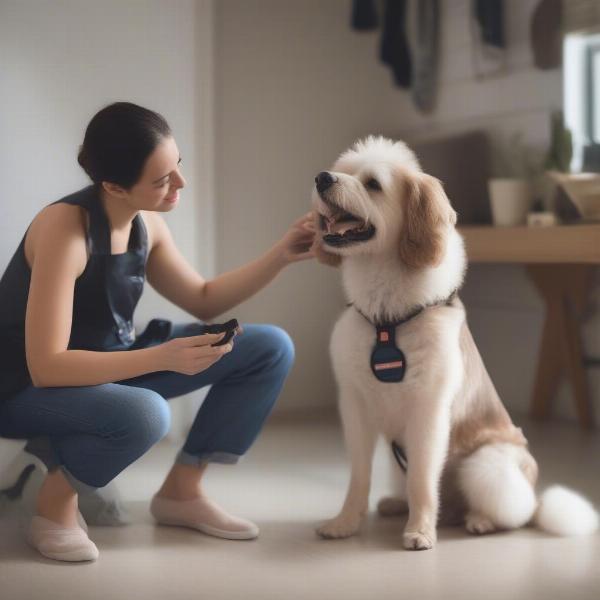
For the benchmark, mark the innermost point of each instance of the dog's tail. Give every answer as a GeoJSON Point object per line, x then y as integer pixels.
{"type": "Point", "coordinates": [564, 512]}
{"type": "Point", "coordinates": [495, 485]}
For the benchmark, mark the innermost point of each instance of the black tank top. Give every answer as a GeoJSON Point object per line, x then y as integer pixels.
{"type": "Point", "coordinates": [105, 296]}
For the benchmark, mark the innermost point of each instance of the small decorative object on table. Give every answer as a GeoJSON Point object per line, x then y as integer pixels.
{"type": "Point", "coordinates": [577, 197]}
{"type": "Point", "coordinates": [538, 217]}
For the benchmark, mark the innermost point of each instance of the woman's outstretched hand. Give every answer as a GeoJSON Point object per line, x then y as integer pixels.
{"type": "Point", "coordinates": [296, 244]}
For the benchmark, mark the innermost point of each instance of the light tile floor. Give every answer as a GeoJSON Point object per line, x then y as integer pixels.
{"type": "Point", "coordinates": [291, 480]}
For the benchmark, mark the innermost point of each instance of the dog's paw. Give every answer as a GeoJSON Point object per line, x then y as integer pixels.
{"type": "Point", "coordinates": [392, 506]}
{"type": "Point", "coordinates": [342, 526]}
{"type": "Point", "coordinates": [419, 540]}
{"type": "Point", "coordinates": [478, 524]}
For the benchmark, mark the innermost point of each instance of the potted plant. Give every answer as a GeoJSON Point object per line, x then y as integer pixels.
{"type": "Point", "coordinates": [576, 196]}
{"type": "Point", "coordinates": [512, 195]}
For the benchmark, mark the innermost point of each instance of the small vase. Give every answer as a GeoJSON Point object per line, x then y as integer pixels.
{"type": "Point", "coordinates": [510, 201]}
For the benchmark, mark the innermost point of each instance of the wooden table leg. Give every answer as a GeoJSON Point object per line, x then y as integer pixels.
{"type": "Point", "coordinates": [564, 288]}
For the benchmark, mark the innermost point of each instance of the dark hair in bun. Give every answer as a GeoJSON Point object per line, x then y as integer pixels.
{"type": "Point", "coordinates": [117, 142]}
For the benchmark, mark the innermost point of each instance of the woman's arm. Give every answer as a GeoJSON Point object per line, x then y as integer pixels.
{"type": "Point", "coordinates": [232, 288]}
{"type": "Point", "coordinates": [175, 279]}
{"type": "Point", "coordinates": [85, 367]}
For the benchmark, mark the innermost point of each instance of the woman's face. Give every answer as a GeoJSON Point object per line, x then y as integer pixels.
{"type": "Point", "coordinates": [161, 179]}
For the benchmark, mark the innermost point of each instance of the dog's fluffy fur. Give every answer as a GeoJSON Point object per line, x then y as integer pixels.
{"type": "Point", "coordinates": [467, 462]}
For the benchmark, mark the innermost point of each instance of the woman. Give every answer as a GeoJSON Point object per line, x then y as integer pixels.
{"type": "Point", "coordinates": [75, 381]}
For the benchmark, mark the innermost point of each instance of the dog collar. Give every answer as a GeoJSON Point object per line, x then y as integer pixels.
{"type": "Point", "coordinates": [388, 362]}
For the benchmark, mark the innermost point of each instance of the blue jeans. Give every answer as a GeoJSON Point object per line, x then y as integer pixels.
{"type": "Point", "coordinates": [93, 432]}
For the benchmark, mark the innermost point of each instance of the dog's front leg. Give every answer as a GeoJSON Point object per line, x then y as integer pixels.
{"type": "Point", "coordinates": [426, 446]}
{"type": "Point", "coordinates": [360, 436]}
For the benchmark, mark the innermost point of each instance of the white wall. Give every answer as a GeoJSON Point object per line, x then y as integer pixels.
{"type": "Point", "coordinates": [295, 86]}
{"type": "Point", "coordinates": [61, 61]}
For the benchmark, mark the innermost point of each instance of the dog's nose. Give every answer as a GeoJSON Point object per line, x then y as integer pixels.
{"type": "Point", "coordinates": [324, 180]}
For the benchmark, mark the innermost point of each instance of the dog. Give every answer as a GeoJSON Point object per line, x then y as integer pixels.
{"type": "Point", "coordinates": [391, 229]}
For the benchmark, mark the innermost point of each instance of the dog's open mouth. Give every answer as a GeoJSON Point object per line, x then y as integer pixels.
{"type": "Point", "coordinates": [343, 228]}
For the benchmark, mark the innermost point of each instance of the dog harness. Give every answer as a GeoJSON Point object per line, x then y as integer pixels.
{"type": "Point", "coordinates": [388, 362]}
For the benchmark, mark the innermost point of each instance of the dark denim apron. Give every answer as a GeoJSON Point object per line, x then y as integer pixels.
{"type": "Point", "coordinates": [104, 299]}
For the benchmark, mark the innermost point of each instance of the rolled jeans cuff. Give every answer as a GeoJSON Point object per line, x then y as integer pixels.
{"type": "Point", "coordinates": [224, 458]}
{"type": "Point", "coordinates": [41, 448]}
{"type": "Point", "coordinates": [78, 485]}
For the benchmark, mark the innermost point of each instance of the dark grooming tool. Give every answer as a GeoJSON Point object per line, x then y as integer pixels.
{"type": "Point", "coordinates": [229, 327]}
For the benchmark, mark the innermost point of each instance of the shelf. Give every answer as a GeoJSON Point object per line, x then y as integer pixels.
{"type": "Point", "coordinates": [557, 244]}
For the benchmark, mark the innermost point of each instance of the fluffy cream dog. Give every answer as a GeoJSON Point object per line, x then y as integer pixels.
{"type": "Point", "coordinates": [391, 228]}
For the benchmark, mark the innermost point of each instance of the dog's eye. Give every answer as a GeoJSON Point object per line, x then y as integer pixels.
{"type": "Point", "coordinates": [373, 184]}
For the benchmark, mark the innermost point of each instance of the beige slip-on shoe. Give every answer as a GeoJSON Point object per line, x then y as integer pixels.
{"type": "Point", "coordinates": [54, 541]}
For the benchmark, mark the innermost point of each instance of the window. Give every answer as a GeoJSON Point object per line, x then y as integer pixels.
{"type": "Point", "coordinates": [582, 97]}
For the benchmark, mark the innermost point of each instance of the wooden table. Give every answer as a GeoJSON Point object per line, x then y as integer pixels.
{"type": "Point", "coordinates": [560, 260]}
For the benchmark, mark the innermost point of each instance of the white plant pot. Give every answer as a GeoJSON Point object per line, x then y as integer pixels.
{"type": "Point", "coordinates": [510, 201]}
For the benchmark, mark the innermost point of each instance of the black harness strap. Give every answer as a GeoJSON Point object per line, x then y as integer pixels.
{"type": "Point", "coordinates": [410, 315]}
{"type": "Point", "coordinates": [388, 362]}
{"type": "Point", "coordinates": [400, 456]}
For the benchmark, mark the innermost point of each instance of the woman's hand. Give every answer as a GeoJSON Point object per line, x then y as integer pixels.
{"type": "Point", "coordinates": [296, 244]}
{"type": "Point", "coordinates": [192, 354]}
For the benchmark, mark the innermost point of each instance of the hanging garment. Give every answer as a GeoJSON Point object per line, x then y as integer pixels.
{"type": "Point", "coordinates": [546, 34]}
{"type": "Point", "coordinates": [364, 15]}
{"type": "Point", "coordinates": [425, 55]}
{"type": "Point", "coordinates": [394, 50]}
{"type": "Point", "coordinates": [488, 51]}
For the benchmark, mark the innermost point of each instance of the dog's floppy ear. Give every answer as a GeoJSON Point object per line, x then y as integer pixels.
{"type": "Point", "coordinates": [427, 214]}
{"type": "Point", "coordinates": [327, 258]}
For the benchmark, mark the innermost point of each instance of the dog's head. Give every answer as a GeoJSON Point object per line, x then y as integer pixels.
{"type": "Point", "coordinates": [376, 199]}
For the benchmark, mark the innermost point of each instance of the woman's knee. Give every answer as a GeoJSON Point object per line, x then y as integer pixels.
{"type": "Point", "coordinates": [277, 345]}
{"type": "Point", "coordinates": [143, 418]}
